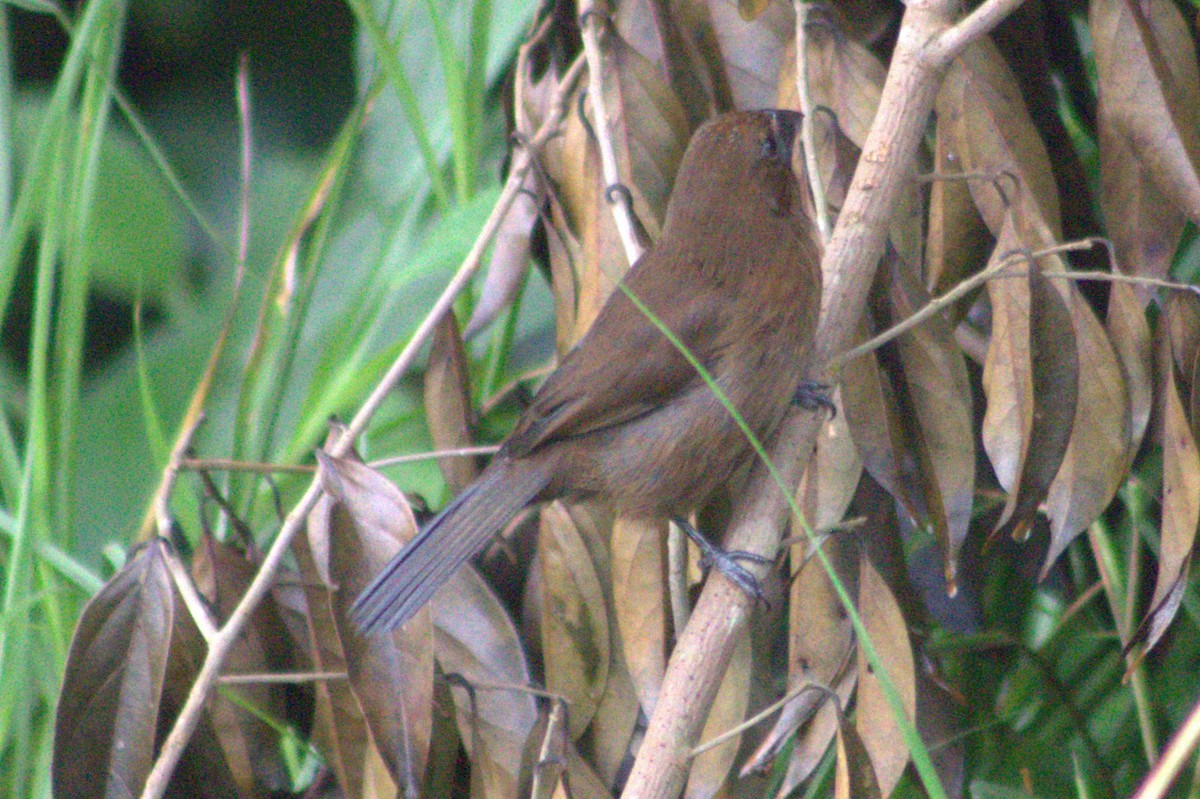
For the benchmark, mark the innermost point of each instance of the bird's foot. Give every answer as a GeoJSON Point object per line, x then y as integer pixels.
{"type": "Point", "coordinates": [726, 561]}
{"type": "Point", "coordinates": [813, 396]}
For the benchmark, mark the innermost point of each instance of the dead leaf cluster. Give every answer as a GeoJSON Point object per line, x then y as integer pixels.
{"type": "Point", "coordinates": [1018, 410]}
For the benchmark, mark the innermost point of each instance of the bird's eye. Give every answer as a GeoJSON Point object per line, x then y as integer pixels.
{"type": "Point", "coordinates": [768, 148]}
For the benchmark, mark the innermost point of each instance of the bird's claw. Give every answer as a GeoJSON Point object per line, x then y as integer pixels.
{"type": "Point", "coordinates": [726, 562]}
{"type": "Point", "coordinates": [813, 396]}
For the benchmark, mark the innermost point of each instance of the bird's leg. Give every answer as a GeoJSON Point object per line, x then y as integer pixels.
{"type": "Point", "coordinates": [813, 396]}
{"type": "Point", "coordinates": [726, 561]}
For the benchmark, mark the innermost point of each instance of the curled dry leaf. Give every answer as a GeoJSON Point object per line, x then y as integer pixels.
{"type": "Point", "coordinates": [339, 729]}
{"type": "Point", "coordinates": [1143, 224]}
{"type": "Point", "coordinates": [878, 430]}
{"type": "Point", "coordinates": [1030, 378]}
{"type": "Point", "coordinates": [831, 477]}
{"type": "Point", "coordinates": [475, 640]}
{"type": "Point", "coordinates": [613, 725]}
{"type": "Point", "coordinates": [957, 241]}
{"type": "Point", "coordinates": [1181, 490]}
{"type": "Point", "coordinates": [392, 674]}
{"type": "Point", "coordinates": [448, 411]}
{"type": "Point", "coordinates": [1094, 465]}
{"type": "Point", "coordinates": [132, 659]}
{"type": "Point", "coordinates": [875, 718]}
{"type": "Point", "coordinates": [649, 130]}
{"type": "Point", "coordinates": [1183, 326]}
{"type": "Point", "coordinates": [653, 28]}
{"type": "Point", "coordinates": [639, 567]}
{"type": "Point", "coordinates": [812, 742]}
{"type": "Point", "coordinates": [250, 745]}
{"type": "Point", "coordinates": [509, 263]}
{"type": "Point", "coordinates": [820, 647]}
{"type": "Point", "coordinates": [939, 395]}
{"type": "Point", "coordinates": [854, 776]}
{"type": "Point", "coordinates": [996, 140]}
{"type": "Point", "coordinates": [575, 640]}
{"type": "Point", "coordinates": [843, 76]}
{"type": "Point", "coordinates": [1149, 84]}
{"type": "Point", "coordinates": [711, 769]}
{"type": "Point", "coordinates": [1130, 336]}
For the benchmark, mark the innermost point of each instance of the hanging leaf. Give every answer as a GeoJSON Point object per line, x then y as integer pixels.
{"type": "Point", "coordinates": [448, 411]}
{"type": "Point", "coordinates": [1030, 378]}
{"type": "Point", "coordinates": [392, 674]}
{"type": "Point", "coordinates": [854, 777]}
{"type": "Point", "coordinates": [131, 664]}
{"type": "Point", "coordinates": [875, 719]}
{"type": "Point", "coordinates": [575, 641]}
{"type": "Point", "coordinates": [1149, 85]}
{"type": "Point", "coordinates": [640, 603]}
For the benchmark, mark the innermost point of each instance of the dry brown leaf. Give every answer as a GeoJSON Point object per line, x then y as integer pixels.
{"type": "Point", "coordinates": [1181, 494]}
{"type": "Point", "coordinates": [339, 729]}
{"type": "Point", "coordinates": [820, 645]}
{"type": "Point", "coordinates": [1150, 86]}
{"type": "Point", "coordinates": [854, 776]}
{"type": "Point", "coordinates": [1183, 326]}
{"type": "Point", "coordinates": [653, 29]}
{"type": "Point", "coordinates": [843, 76]}
{"type": "Point", "coordinates": [640, 603]}
{"type": "Point", "coordinates": [1130, 336]}
{"type": "Point", "coordinates": [957, 241]}
{"type": "Point", "coordinates": [875, 719]}
{"type": "Point", "coordinates": [474, 639]}
{"type": "Point", "coordinates": [509, 263]}
{"type": "Point", "coordinates": [813, 740]}
{"type": "Point", "coordinates": [131, 662]}
{"type": "Point", "coordinates": [878, 430]}
{"type": "Point", "coordinates": [939, 394]}
{"type": "Point", "coordinates": [251, 746]}
{"type": "Point", "coordinates": [1145, 227]}
{"type": "Point", "coordinates": [448, 411]}
{"type": "Point", "coordinates": [582, 781]}
{"type": "Point", "coordinates": [575, 640]}
{"type": "Point", "coordinates": [832, 474]}
{"type": "Point", "coordinates": [649, 130]}
{"type": "Point", "coordinates": [995, 137]}
{"type": "Point", "coordinates": [615, 720]}
{"type": "Point", "coordinates": [1094, 465]}
{"type": "Point", "coordinates": [752, 52]}
{"type": "Point", "coordinates": [392, 675]}
{"type": "Point", "coordinates": [1030, 379]}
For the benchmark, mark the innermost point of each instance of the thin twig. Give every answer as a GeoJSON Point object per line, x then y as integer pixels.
{"type": "Point", "coordinates": [230, 465]}
{"type": "Point", "coordinates": [807, 136]}
{"type": "Point", "coordinates": [189, 715]}
{"type": "Point", "coordinates": [191, 597]}
{"type": "Point", "coordinates": [955, 294]}
{"type": "Point", "coordinates": [282, 678]}
{"type": "Point", "coordinates": [1179, 751]}
{"type": "Point", "coordinates": [767, 711]}
{"type": "Point", "coordinates": [593, 21]}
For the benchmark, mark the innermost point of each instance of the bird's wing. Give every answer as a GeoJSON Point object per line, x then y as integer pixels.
{"type": "Point", "coordinates": [624, 366]}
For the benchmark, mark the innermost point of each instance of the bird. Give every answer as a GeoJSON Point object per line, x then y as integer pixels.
{"type": "Point", "coordinates": [625, 417]}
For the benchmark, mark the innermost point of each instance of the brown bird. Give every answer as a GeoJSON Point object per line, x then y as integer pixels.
{"type": "Point", "coordinates": [736, 277]}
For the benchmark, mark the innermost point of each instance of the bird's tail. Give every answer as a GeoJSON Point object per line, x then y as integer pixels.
{"type": "Point", "coordinates": [453, 536]}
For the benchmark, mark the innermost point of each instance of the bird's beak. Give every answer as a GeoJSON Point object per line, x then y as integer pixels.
{"type": "Point", "coordinates": [784, 127]}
